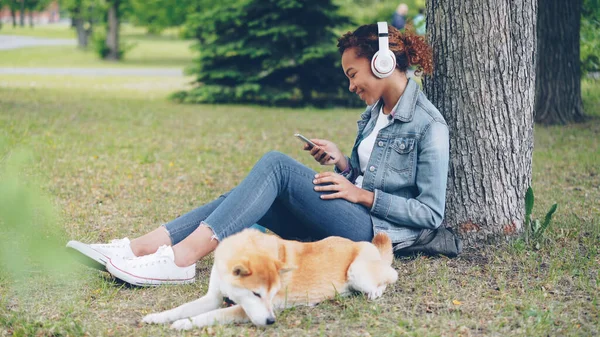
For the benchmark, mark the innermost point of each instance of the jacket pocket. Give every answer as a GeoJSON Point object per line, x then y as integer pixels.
{"type": "Point", "coordinates": [402, 156]}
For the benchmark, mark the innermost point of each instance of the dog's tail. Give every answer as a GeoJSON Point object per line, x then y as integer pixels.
{"type": "Point", "coordinates": [384, 244]}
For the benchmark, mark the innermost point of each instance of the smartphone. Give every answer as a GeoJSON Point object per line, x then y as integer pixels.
{"type": "Point", "coordinates": [307, 141]}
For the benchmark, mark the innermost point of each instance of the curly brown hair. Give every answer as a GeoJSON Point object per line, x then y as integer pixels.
{"type": "Point", "coordinates": [409, 48]}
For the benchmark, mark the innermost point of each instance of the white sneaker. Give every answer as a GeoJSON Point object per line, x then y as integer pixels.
{"type": "Point", "coordinates": [98, 254]}
{"type": "Point", "coordinates": [152, 270]}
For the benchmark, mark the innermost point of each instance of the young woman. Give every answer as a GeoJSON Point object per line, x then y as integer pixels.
{"type": "Point", "coordinates": [393, 181]}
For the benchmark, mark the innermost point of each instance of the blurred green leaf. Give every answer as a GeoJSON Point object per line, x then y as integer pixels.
{"type": "Point", "coordinates": [30, 234]}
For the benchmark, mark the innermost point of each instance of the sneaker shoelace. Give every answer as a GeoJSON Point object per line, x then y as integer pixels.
{"type": "Point", "coordinates": [159, 257]}
{"type": "Point", "coordinates": [116, 243]}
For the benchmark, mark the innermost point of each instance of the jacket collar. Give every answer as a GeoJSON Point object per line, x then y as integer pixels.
{"type": "Point", "coordinates": [405, 108]}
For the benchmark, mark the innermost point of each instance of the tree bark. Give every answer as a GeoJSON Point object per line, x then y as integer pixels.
{"type": "Point", "coordinates": [22, 14]}
{"type": "Point", "coordinates": [558, 85]}
{"type": "Point", "coordinates": [112, 33]}
{"type": "Point", "coordinates": [13, 14]}
{"type": "Point", "coordinates": [78, 22]}
{"type": "Point", "coordinates": [82, 33]}
{"type": "Point", "coordinates": [484, 85]}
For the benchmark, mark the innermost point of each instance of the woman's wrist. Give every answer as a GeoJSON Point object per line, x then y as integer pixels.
{"type": "Point", "coordinates": [366, 198]}
{"type": "Point", "coordinates": [342, 164]}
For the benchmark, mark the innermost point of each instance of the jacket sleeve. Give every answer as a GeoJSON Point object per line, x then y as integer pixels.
{"type": "Point", "coordinates": [351, 173]}
{"type": "Point", "coordinates": [426, 210]}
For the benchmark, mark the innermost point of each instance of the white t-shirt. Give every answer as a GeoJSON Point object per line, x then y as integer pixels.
{"type": "Point", "coordinates": [365, 148]}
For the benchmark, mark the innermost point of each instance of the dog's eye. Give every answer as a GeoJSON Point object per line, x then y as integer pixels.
{"type": "Point", "coordinates": [256, 294]}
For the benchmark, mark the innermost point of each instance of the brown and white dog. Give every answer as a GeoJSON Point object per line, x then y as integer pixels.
{"type": "Point", "coordinates": [262, 272]}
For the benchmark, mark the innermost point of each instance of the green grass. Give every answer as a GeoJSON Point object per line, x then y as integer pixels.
{"type": "Point", "coordinates": [591, 94]}
{"type": "Point", "coordinates": [118, 159]}
{"type": "Point", "coordinates": [146, 51]}
{"type": "Point", "coordinates": [63, 31]}
{"type": "Point", "coordinates": [49, 31]}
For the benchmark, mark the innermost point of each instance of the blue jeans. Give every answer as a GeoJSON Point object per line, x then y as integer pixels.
{"type": "Point", "coordinates": [278, 194]}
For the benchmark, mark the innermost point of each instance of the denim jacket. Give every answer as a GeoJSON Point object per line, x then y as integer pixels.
{"type": "Point", "coordinates": [408, 167]}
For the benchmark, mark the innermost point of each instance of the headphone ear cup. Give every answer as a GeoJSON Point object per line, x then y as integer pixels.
{"type": "Point", "coordinates": [373, 68]}
{"type": "Point", "coordinates": [383, 65]}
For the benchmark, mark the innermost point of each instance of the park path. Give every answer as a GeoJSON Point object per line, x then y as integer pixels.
{"type": "Point", "coordinates": [10, 42]}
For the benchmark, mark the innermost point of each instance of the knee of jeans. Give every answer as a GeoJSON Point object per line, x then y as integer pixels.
{"type": "Point", "coordinates": [273, 159]}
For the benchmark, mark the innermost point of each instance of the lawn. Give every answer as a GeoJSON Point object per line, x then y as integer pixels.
{"type": "Point", "coordinates": [56, 31]}
{"type": "Point", "coordinates": [115, 159]}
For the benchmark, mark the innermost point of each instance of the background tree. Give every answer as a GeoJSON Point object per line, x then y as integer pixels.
{"type": "Point", "coordinates": [21, 13]}
{"type": "Point", "coordinates": [13, 6]}
{"type": "Point", "coordinates": [84, 14]}
{"type": "Point", "coordinates": [157, 15]}
{"type": "Point", "coordinates": [33, 6]}
{"type": "Point", "coordinates": [13, 11]}
{"type": "Point", "coordinates": [484, 85]}
{"type": "Point", "coordinates": [107, 42]}
{"type": "Point", "coordinates": [558, 85]}
{"type": "Point", "coordinates": [113, 24]}
{"type": "Point", "coordinates": [275, 52]}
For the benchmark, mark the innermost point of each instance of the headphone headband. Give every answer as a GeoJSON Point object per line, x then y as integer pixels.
{"type": "Point", "coordinates": [382, 32]}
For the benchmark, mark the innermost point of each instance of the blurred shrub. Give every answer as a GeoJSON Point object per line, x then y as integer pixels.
{"type": "Point", "coordinates": [590, 36]}
{"type": "Point", "coordinates": [31, 239]}
{"type": "Point", "coordinates": [99, 45]}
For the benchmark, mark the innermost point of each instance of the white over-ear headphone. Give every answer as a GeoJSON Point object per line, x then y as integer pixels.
{"type": "Point", "coordinates": [383, 62]}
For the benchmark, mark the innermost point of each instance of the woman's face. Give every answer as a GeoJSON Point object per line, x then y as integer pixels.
{"type": "Point", "coordinates": [362, 81]}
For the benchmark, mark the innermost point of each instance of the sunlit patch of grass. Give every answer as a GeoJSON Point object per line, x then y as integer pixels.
{"type": "Point", "coordinates": [136, 88]}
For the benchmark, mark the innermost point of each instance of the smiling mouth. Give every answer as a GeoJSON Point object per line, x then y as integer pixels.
{"type": "Point", "coordinates": [360, 94]}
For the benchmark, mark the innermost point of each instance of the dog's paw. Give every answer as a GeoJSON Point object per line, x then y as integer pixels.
{"type": "Point", "coordinates": [157, 318]}
{"type": "Point", "coordinates": [182, 324]}
{"type": "Point", "coordinates": [376, 293]}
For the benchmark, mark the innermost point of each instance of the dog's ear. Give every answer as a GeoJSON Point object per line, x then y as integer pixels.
{"type": "Point", "coordinates": [282, 268]}
{"type": "Point", "coordinates": [241, 270]}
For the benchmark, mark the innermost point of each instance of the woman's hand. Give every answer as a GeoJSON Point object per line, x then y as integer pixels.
{"type": "Point", "coordinates": [324, 151]}
{"type": "Point", "coordinates": [343, 189]}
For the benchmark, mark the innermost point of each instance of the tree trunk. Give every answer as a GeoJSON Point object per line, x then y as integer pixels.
{"type": "Point", "coordinates": [484, 85]}
{"type": "Point", "coordinates": [112, 34]}
{"type": "Point", "coordinates": [82, 34]}
{"type": "Point", "coordinates": [558, 85]}
{"type": "Point", "coordinates": [22, 14]}
{"type": "Point", "coordinates": [78, 22]}
{"type": "Point", "coordinates": [13, 14]}
{"type": "Point", "coordinates": [31, 18]}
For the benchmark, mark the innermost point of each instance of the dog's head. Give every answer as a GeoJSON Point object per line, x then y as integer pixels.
{"type": "Point", "coordinates": [254, 282]}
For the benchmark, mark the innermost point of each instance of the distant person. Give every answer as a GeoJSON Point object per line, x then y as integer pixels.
{"type": "Point", "coordinates": [399, 17]}
{"type": "Point", "coordinates": [419, 22]}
